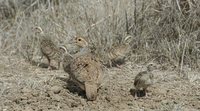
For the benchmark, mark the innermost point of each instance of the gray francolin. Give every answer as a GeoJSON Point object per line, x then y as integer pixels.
{"type": "Point", "coordinates": [144, 79]}
{"type": "Point", "coordinates": [50, 50]}
{"type": "Point", "coordinates": [85, 69]}
{"type": "Point", "coordinates": [118, 53]}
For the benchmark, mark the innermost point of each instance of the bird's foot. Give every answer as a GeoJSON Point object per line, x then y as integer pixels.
{"type": "Point", "coordinates": [119, 66]}
{"type": "Point", "coordinates": [49, 68]}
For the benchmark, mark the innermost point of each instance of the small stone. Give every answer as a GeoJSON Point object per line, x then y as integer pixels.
{"type": "Point", "coordinates": [108, 98]}
{"type": "Point", "coordinates": [28, 109]}
{"type": "Point", "coordinates": [56, 89]}
{"type": "Point", "coordinates": [57, 98]}
{"type": "Point", "coordinates": [35, 94]}
{"type": "Point", "coordinates": [24, 97]}
{"type": "Point", "coordinates": [26, 90]}
{"type": "Point", "coordinates": [73, 104]}
{"type": "Point", "coordinates": [130, 104]}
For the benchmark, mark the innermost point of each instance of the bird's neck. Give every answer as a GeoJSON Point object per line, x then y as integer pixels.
{"type": "Point", "coordinates": [84, 50]}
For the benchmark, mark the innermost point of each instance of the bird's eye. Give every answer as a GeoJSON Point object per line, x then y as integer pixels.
{"type": "Point", "coordinates": [79, 39]}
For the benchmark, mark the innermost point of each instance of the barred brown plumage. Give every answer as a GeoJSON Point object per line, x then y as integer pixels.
{"type": "Point", "coordinates": [85, 69]}
{"type": "Point", "coordinates": [144, 79]}
{"type": "Point", "coordinates": [50, 50]}
{"type": "Point", "coordinates": [118, 53]}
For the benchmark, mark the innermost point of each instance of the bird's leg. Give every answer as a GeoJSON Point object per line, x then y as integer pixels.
{"type": "Point", "coordinates": [110, 63]}
{"type": "Point", "coordinates": [58, 65]}
{"type": "Point", "coordinates": [49, 63]}
{"type": "Point", "coordinates": [141, 93]}
{"type": "Point", "coordinates": [146, 94]}
{"type": "Point", "coordinates": [40, 61]}
{"type": "Point", "coordinates": [136, 94]}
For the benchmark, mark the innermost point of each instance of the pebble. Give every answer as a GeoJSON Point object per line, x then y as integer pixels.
{"type": "Point", "coordinates": [57, 98]}
{"type": "Point", "coordinates": [56, 89]}
{"type": "Point", "coordinates": [26, 90]}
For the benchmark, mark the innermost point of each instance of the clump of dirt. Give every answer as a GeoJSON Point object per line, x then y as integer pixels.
{"type": "Point", "coordinates": [30, 88]}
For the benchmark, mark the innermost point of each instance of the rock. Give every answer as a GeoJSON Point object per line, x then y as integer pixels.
{"type": "Point", "coordinates": [26, 90]}
{"type": "Point", "coordinates": [57, 98]}
{"type": "Point", "coordinates": [74, 104]}
{"type": "Point", "coordinates": [108, 98]}
{"type": "Point", "coordinates": [35, 94]}
{"type": "Point", "coordinates": [56, 89]}
{"type": "Point", "coordinates": [23, 98]}
{"type": "Point", "coordinates": [28, 109]}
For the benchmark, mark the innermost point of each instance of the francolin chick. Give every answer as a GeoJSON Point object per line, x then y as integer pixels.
{"type": "Point", "coordinates": [85, 70]}
{"type": "Point", "coordinates": [50, 50]}
{"type": "Point", "coordinates": [118, 53]}
{"type": "Point", "coordinates": [144, 79]}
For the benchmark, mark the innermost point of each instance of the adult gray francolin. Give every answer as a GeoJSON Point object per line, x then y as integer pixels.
{"type": "Point", "coordinates": [50, 50]}
{"type": "Point", "coordinates": [144, 79]}
{"type": "Point", "coordinates": [85, 69]}
{"type": "Point", "coordinates": [118, 53]}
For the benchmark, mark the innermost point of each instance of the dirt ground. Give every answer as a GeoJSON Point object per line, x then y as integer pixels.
{"type": "Point", "coordinates": [25, 87]}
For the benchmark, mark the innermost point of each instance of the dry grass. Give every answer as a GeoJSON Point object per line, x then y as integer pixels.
{"type": "Point", "coordinates": [162, 31]}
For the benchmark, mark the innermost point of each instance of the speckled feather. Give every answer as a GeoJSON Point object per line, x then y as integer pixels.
{"type": "Point", "coordinates": [86, 70]}
{"type": "Point", "coordinates": [143, 80]}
